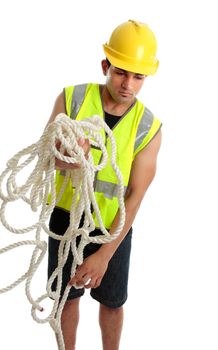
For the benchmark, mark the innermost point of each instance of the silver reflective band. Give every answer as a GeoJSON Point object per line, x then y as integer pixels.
{"type": "Point", "coordinates": [77, 99]}
{"type": "Point", "coordinates": [144, 127]}
{"type": "Point", "coordinates": [109, 189]}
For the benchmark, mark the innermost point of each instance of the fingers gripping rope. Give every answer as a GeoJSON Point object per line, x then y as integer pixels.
{"type": "Point", "coordinates": [35, 191]}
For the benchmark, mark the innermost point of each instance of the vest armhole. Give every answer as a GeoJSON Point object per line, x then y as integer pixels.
{"type": "Point", "coordinates": [64, 93]}
{"type": "Point", "coordinates": [68, 93]}
{"type": "Point", "coordinates": [155, 127]}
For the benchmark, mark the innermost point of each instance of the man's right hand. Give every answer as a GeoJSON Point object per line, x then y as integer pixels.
{"type": "Point", "coordinates": [61, 165]}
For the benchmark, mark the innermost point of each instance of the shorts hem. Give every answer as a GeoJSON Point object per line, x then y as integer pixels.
{"type": "Point", "coordinates": [108, 303]}
{"type": "Point", "coordinates": [75, 295]}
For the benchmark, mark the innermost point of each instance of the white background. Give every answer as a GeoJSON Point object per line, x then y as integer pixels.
{"type": "Point", "coordinates": [46, 45]}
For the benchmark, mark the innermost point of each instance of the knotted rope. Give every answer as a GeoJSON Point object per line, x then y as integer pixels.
{"type": "Point", "coordinates": [35, 191]}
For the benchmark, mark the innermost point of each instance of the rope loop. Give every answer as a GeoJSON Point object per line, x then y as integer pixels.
{"type": "Point", "coordinates": [59, 141]}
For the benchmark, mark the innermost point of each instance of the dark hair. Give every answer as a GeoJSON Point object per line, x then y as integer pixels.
{"type": "Point", "coordinates": [108, 62]}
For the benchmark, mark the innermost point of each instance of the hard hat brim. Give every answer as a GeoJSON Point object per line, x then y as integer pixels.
{"type": "Point", "coordinates": [128, 64]}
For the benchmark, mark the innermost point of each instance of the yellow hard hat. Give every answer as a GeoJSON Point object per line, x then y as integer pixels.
{"type": "Point", "coordinates": [132, 47]}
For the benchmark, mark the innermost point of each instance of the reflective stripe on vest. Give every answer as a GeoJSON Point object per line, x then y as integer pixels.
{"type": "Point", "coordinates": [109, 189]}
{"type": "Point", "coordinates": [144, 125]}
{"type": "Point", "coordinates": [78, 97]}
{"type": "Point", "coordinates": [143, 128]}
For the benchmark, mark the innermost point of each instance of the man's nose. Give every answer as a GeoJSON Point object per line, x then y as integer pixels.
{"type": "Point", "coordinates": [127, 82]}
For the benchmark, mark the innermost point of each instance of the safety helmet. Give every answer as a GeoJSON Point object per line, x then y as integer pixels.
{"type": "Point", "coordinates": [132, 47]}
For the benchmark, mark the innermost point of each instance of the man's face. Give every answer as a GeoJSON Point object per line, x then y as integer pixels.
{"type": "Point", "coordinates": [123, 86]}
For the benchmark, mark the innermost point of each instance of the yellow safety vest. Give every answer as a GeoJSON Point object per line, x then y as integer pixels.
{"type": "Point", "coordinates": [134, 131]}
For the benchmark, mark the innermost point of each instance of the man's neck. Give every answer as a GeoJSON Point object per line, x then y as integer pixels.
{"type": "Point", "coordinates": [112, 107]}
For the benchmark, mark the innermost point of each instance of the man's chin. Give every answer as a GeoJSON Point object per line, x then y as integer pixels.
{"type": "Point", "coordinates": [126, 98]}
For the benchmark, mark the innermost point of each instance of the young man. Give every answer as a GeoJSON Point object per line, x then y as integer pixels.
{"type": "Point", "coordinates": [130, 57]}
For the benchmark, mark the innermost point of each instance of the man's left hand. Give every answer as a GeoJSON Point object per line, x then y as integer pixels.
{"type": "Point", "coordinates": [91, 272]}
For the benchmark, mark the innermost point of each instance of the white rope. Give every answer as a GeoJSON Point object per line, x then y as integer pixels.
{"type": "Point", "coordinates": [35, 193]}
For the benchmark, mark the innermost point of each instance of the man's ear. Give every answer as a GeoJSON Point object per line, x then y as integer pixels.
{"type": "Point", "coordinates": [104, 66]}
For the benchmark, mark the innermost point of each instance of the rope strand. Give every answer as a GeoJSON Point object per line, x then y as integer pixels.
{"type": "Point", "coordinates": [35, 192]}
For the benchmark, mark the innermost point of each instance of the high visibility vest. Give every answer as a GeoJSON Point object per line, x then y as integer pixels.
{"type": "Point", "coordinates": [134, 130]}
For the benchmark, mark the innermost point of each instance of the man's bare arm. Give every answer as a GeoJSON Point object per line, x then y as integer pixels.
{"type": "Point", "coordinates": [143, 171]}
{"type": "Point", "coordinates": [59, 107]}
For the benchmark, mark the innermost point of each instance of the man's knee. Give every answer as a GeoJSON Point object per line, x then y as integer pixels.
{"type": "Point", "coordinates": [107, 313]}
{"type": "Point", "coordinates": [114, 310]}
{"type": "Point", "coordinates": [71, 305]}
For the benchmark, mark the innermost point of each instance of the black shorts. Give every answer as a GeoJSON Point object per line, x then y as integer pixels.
{"type": "Point", "coordinates": [113, 289]}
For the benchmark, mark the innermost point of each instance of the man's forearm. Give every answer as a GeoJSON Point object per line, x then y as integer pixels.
{"type": "Point", "coordinates": [108, 249]}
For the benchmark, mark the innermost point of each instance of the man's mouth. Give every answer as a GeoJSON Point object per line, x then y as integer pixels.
{"type": "Point", "coordinates": [124, 93]}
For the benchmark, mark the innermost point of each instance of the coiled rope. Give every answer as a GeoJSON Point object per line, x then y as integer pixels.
{"type": "Point", "coordinates": [35, 191]}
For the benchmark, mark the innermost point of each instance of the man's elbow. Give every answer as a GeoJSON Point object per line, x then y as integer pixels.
{"type": "Point", "coordinates": [133, 201]}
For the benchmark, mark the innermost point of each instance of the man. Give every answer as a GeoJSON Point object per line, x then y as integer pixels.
{"type": "Point", "coordinates": [130, 58]}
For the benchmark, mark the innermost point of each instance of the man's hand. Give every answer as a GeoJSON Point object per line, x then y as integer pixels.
{"type": "Point", "coordinates": [91, 272]}
{"type": "Point", "coordinates": [59, 107]}
{"type": "Point", "coordinates": [61, 165]}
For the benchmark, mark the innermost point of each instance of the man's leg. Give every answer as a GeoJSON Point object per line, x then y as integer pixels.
{"type": "Point", "coordinates": [69, 323]}
{"type": "Point", "coordinates": [111, 322]}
